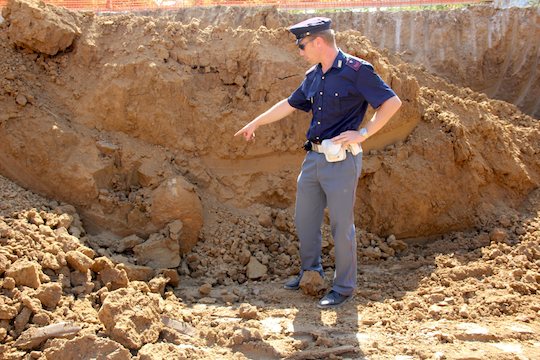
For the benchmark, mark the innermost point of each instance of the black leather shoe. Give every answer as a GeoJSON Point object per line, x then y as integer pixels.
{"type": "Point", "coordinates": [333, 300]}
{"type": "Point", "coordinates": [294, 283]}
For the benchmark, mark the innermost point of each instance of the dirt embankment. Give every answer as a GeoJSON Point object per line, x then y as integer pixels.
{"type": "Point", "coordinates": [130, 119]}
{"type": "Point", "coordinates": [493, 51]}
{"type": "Point", "coordinates": [139, 113]}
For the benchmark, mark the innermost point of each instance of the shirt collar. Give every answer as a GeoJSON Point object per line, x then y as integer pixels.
{"type": "Point", "coordinates": [338, 63]}
{"type": "Point", "coordinates": [340, 59]}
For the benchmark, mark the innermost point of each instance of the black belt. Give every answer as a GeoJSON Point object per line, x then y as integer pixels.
{"type": "Point", "coordinates": [312, 146]}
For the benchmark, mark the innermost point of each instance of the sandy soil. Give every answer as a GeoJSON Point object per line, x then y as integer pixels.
{"type": "Point", "coordinates": [157, 235]}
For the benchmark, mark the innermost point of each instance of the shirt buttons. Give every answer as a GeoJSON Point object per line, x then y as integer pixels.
{"type": "Point", "coordinates": [336, 94]}
{"type": "Point", "coordinates": [320, 108]}
{"type": "Point", "coordinates": [318, 123]}
{"type": "Point", "coordinates": [320, 93]}
{"type": "Point", "coordinates": [322, 77]}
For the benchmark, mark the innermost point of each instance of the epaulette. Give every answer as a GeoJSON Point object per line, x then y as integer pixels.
{"type": "Point", "coordinates": [311, 69]}
{"type": "Point", "coordinates": [353, 63]}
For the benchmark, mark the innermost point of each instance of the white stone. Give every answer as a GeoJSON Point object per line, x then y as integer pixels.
{"type": "Point", "coordinates": [521, 329]}
{"type": "Point", "coordinates": [255, 269]}
{"type": "Point", "coordinates": [272, 325]}
{"type": "Point", "coordinates": [509, 347]}
{"type": "Point", "coordinates": [175, 229]}
{"type": "Point", "coordinates": [129, 242]}
{"type": "Point", "coordinates": [474, 332]}
{"type": "Point", "coordinates": [158, 253]}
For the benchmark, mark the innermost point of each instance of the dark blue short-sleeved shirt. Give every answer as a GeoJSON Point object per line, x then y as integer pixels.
{"type": "Point", "coordinates": [339, 97]}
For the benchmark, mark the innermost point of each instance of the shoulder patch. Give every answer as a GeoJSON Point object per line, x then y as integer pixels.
{"type": "Point", "coordinates": [353, 63]}
{"type": "Point", "coordinates": [311, 69]}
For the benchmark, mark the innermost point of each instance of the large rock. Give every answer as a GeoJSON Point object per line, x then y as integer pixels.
{"type": "Point", "coordinates": [255, 269]}
{"type": "Point", "coordinates": [114, 277]}
{"type": "Point", "coordinates": [25, 273]}
{"type": "Point", "coordinates": [131, 317]}
{"type": "Point", "coordinates": [312, 283]}
{"type": "Point", "coordinates": [176, 199]}
{"type": "Point", "coordinates": [137, 272]}
{"type": "Point", "coordinates": [40, 27]}
{"type": "Point", "coordinates": [4, 263]}
{"type": "Point", "coordinates": [49, 294]}
{"type": "Point", "coordinates": [102, 263]}
{"type": "Point", "coordinates": [79, 261]}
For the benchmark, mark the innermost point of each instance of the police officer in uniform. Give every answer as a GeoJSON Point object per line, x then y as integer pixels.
{"type": "Point", "coordinates": [337, 90]}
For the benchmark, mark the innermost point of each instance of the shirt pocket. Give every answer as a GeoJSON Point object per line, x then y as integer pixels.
{"type": "Point", "coordinates": [348, 100]}
{"type": "Point", "coordinates": [332, 101]}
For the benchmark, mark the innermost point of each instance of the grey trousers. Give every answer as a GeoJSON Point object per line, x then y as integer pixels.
{"type": "Point", "coordinates": [325, 184]}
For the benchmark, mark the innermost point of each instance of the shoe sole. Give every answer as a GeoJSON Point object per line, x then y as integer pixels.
{"type": "Point", "coordinates": [333, 306]}
{"type": "Point", "coordinates": [291, 287]}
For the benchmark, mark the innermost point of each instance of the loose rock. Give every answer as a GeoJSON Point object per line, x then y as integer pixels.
{"type": "Point", "coordinates": [132, 326]}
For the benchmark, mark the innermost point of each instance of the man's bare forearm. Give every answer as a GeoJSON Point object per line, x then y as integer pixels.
{"type": "Point", "coordinates": [275, 113]}
{"type": "Point", "coordinates": [383, 114]}
{"type": "Point", "coordinates": [379, 119]}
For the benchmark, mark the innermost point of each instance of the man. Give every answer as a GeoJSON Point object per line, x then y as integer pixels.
{"type": "Point", "coordinates": [337, 89]}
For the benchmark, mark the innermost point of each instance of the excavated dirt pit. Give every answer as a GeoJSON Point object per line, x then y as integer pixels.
{"type": "Point", "coordinates": [157, 235]}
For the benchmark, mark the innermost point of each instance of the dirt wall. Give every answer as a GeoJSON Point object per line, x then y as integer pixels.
{"type": "Point", "coordinates": [491, 50]}
{"type": "Point", "coordinates": [137, 116]}
{"type": "Point", "coordinates": [130, 119]}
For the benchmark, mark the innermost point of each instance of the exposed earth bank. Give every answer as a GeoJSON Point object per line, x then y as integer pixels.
{"type": "Point", "coordinates": [491, 50]}
{"type": "Point", "coordinates": [162, 236]}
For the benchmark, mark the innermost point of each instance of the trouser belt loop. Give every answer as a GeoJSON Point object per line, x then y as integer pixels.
{"type": "Point", "coordinates": [316, 148]}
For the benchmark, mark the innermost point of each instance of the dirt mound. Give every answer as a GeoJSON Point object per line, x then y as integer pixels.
{"type": "Point", "coordinates": [175, 226]}
{"type": "Point", "coordinates": [40, 28]}
{"type": "Point", "coordinates": [102, 172]}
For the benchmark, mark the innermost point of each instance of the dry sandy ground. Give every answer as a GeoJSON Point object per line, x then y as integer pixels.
{"type": "Point", "coordinates": [163, 237]}
{"type": "Point", "coordinates": [467, 295]}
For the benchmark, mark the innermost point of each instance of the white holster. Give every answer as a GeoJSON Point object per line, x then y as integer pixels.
{"type": "Point", "coordinates": [355, 148]}
{"type": "Point", "coordinates": [336, 152]}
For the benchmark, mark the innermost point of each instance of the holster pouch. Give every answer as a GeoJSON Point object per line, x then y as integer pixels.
{"type": "Point", "coordinates": [355, 148]}
{"type": "Point", "coordinates": [336, 152]}
{"type": "Point", "coordinates": [333, 152]}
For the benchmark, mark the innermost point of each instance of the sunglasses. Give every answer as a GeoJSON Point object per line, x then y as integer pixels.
{"type": "Point", "coordinates": [303, 46]}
